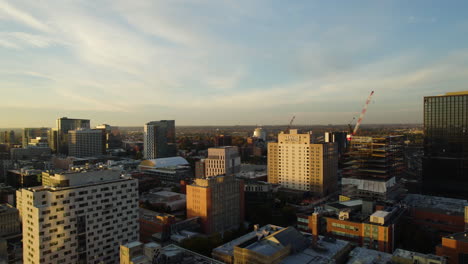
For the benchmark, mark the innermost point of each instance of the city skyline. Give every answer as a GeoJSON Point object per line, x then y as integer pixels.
{"type": "Point", "coordinates": [227, 63]}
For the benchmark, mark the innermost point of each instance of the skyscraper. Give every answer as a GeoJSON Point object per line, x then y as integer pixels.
{"type": "Point", "coordinates": [85, 143]}
{"type": "Point", "coordinates": [32, 133]}
{"type": "Point", "coordinates": [218, 201]}
{"type": "Point", "coordinates": [64, 125]}
{"type": "Point", "coordinates": [78, 217]}
{"type": "Point", "coordinates": [159, 139]}
{"type": "Point", "coordinates": [295, 163]}
{"type": "Point", "coordinates": [445, 161]}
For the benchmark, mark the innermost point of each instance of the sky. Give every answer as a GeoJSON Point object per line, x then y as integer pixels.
{"type": "Point", "coordinates": [220, 62]}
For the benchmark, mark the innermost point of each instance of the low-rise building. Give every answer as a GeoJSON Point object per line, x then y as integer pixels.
{"type": "Point", "coordinates": [274, 244]}
{"type": "Point", "coordinates": [401, 256]}
{"type": "Point", "coordinates": [359, 222]}
{"type": "Point", "coordinates": [445, 215]}
{"type": "Point", "coordinates": [455, 248]}
{"type": "Point", "coordinates": [168, 201]}
{"type": "Point", "coordinates": [30, 153]}
{"type": "Point", "coordinates": [139, 253]}
{"type": "Point", "coordinates": [152, 222]}
{"type": "Point", "coordinates": [167, 170]}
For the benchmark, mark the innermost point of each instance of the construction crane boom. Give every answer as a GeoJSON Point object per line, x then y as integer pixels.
{"type": "Point", "coordinates": [363, 113]}
{"type": "Point", "coordinates": [290, 124]}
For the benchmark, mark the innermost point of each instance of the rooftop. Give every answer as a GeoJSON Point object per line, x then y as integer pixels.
{"type": "Point", "coordinates": [411, 255]}
{"type": "Point", "coordinates": [361, 255]}
{"type": "Point", "coordinates": [323, 253]}
{"type": "Point", "coordinates": [463, 236]}
{"type": "Point", "coordinates": [228, 248]}
{"type": "Point", "coordinates": [177, 255]}
{"type": "Point", "coordinates": [440, 204]}
{"type": "Point", "coordinates": [164, 162]}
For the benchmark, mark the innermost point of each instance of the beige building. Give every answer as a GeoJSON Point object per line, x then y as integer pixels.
{"type": "Point", "coordinates": [86, 143]}
{"type": "Point", "coordinates": [222, 161]}
{"type": "Point", "coordinates": [295, 163]}
{"type": "Point", "coordinates": [78, 217]}
{"type": "Point", "coordinates": [218, 201]}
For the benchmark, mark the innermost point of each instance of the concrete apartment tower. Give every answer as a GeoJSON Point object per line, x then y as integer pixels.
{"type": "Point", "coordinates": [295, 163]}
{"type": "Point", "coordinates": [159, 139]}
{"type": "Point", "coordinates": [86, 143]}
{"type": "Point", "coordinates": [78, 217]}
{"type": "Point", "coordinates": [218, 201]}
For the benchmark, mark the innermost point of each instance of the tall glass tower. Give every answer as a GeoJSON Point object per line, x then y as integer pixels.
{"type": "Point", "coordinates": [445, 162]}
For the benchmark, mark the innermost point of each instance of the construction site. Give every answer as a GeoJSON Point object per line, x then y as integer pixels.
{"type": "Point", "coordinates": [373, 166]}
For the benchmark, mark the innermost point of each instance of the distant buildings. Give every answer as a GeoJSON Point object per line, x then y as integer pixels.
{"type": "Point", "coordinates": [295, 163]}
{"type": "Point", "coordinates": [218, 201]}
{"type": "Point", "coordinates": [9, 221]}
{"type": "Point", "coordinates": [339, 138]}
{"type": "Point", "coordinates": [30, 134]}
{"type": "Point", "coordinates": [159, 139]}
{"type": "Point", "coordinates": [85, 143]}
{"type": "Point", "coordinates": [111, 136]}
{"type": "Point", "coordinates": [78, 217]}
{"type": "Point", "coordinates": [30, 152]}
{"type": "Point", "coordinates": [222, 140]}
{"type": "Point", "coordinates": [373, 167]}
{"type": "Point", "coordinates": [445, 162]}
{"type": "Point", "coordinates": [64, 125]}
{"type": "Point", "coordinates": [260, 133]}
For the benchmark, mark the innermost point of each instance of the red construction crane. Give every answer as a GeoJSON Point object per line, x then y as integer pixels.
{"type": "Point", "coordinates": [363, 113]}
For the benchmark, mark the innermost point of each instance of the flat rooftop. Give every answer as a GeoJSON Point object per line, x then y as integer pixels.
{"type": "Point", "coordinates": [177, 255]}
{"type": "Point", "coordinates": [438, 204]}
{"type": "Point", "coordinates": [361, 255]}
{"type": "Point", "coordinates": [325, 252]}
{"type": "Point", "coordinates": [463, 236]}
{"type": "Point", "coordinates": [228, 248]}
{"type": "Point", "coordinates": [411, 254]}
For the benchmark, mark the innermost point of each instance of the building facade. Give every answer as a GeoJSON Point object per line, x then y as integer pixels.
{"type": "Point", "coordinates": [78, 217]}
{"type": "Point", "coordinates": [85, 143]}
{"type": "Point", "coordinates": [295, 163]}
{"type": "Point", "coordinates": [372, 168]}
{"type": "Point", "coordinates": [445, 162]}
{"type": "Point", "coordinates": [64, 125]}
{"type": "Point", "coordinates": [32, 133]}
{"type": "Point", "coordinates": [218, 201]}
{"type": "Point", "coordinates": [159, 139]}
{"type": "Point", "coordinates": [222, 161]}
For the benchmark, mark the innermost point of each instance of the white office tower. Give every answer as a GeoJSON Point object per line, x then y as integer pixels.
{"type": "Point", "coordinates": [78, 217]}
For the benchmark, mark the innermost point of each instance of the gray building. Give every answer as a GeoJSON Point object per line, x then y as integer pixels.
{"type": "Point", "coordinates": [64, 125]}
{"type": "Point", "coordinates": [159, 139]}
{"type": "Point", "coordinates": [85, 143]}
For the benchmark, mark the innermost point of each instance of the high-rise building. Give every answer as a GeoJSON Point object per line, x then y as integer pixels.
{"type": "Point", "coordinates": [222, 161]}
{"type": "Point", "coordinates": [29, 134]}
{"type": "Point", "coordinates": [218, 201]}
{"type": "Point", "coordinates": [78, 217]}
{"type": "Point", "coordinates": [64, 125]}
{"type": "Point", "coordinates": [159, 139]}
{"type": "Point", "coordinates": [374, 164]}
{"type": "Point", "coordinates": [8, 137]}
{"type": "Point", "coordinates": [223, 140]}
{"type": "Point", "coordinates": [53, 139]}
{"type": "Point", "coordinates": [445, 161]}
{"type": "Point", "coordinates": [339, 138]}
{"type": "Point", "coordinates": [111, 135]}
{"type": "Point", "coordinates": [85, 143]}
{"type": "Point", "coordinates": [295, 163]}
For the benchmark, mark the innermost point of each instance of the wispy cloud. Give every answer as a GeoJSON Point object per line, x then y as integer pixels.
{"type": "Point", "coordinates": [22, 17]}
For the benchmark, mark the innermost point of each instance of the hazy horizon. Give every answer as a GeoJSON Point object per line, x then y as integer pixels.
{"type": "Point", "coordinates": [227, 62]}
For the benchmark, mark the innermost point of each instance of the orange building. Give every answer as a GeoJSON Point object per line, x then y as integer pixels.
{"type": "Point", "coordinates": [455, 248]}
{"type": "Point", "coordinates": [152, 222]}
{"type": "Point", "coordinates": [218, 201]}
{"type": "Point", "coordinates": [370, 228]}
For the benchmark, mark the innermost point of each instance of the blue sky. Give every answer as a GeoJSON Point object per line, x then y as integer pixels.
{"type": "Point", "coordinates": [221, 62]}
